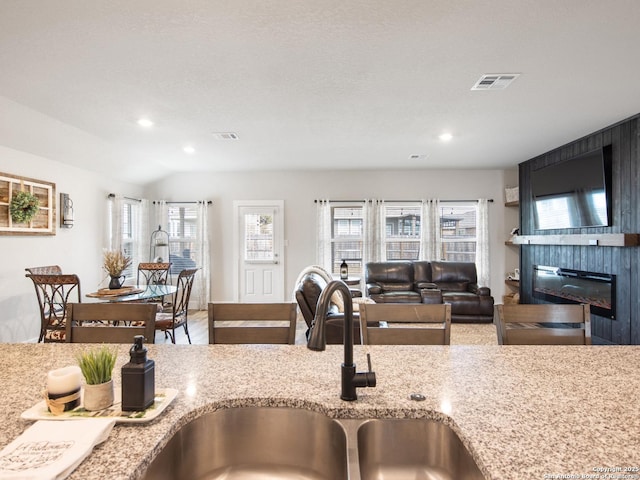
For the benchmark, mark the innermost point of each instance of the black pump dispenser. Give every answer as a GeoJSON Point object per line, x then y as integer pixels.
{"type": "Point", "coordinates": [138, 378]}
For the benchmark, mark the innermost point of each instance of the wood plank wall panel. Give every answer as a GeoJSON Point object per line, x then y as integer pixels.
{"type": "Point", "coordinates": [624, 262]}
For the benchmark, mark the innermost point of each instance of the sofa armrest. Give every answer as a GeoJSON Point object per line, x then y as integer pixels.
{"type": "Point", "coordinates": [482, 291]}
{"type": "Point", "coordinates": [374, 288]}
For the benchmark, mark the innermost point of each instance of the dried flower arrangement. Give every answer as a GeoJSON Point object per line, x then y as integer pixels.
{"type": "Point", "coordinates": [115, 262]}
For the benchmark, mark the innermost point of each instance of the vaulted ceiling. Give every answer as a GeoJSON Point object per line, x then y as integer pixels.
{"type": "Point", "coordinates": [322, 84]}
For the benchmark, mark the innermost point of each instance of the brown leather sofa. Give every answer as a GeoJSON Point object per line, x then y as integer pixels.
{"type": "Point", "coordinates": [426, 282]}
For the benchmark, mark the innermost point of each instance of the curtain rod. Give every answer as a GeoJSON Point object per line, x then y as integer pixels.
{"type": "Point", "coordinates": [401, 201]}
{"type": "Point", "coordinates": [208, 202]}
{"type": "Point", "coordinates": [113, 195]}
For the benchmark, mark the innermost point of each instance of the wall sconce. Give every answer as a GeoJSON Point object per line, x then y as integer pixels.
{"type": "Point", "coordinates": [66, 211]}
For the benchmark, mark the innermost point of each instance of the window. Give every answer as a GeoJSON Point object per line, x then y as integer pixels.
{"type": "Point", "coordinates": [347, 237]}
{"type": "Point", "coordinates": [458, 231]}
{"type": "Point", "coordinates": [125, 226]}
{"type": "Point", "coordinates": [393, 231]}
{"type": "Point", "coordinates": [402, 232]}
{"type": "Point", "coordinates": [182, 228]}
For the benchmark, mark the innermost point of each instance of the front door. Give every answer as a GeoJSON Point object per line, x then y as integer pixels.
{"type": "Point", "coordinates": [260, 251]}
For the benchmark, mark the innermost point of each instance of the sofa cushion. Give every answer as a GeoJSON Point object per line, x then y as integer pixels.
{"type": "Point", "coordinates": [422, 272]}
{"type": "Point", "coordinates": [398, 297]}
{"type": "Point", "coordinates": [453, 272]}
{"type": "Point", "coordinates": [389, 272]}
{"type": "Point", "coordinates": [453, 286]}
{"type": "Point", "coordinates": [396, 287]}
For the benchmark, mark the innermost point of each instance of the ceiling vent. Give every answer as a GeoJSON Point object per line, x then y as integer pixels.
{"type": "Point", "coordinates": [418, 156]}
{"type": "Point", "coordinates": [495, 81]}
{"type": "Point", "coordinates": [225, 136]}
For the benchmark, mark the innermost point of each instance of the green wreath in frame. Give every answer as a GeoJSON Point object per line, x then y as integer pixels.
{"type": "Point", "coordinates": [24, 206]}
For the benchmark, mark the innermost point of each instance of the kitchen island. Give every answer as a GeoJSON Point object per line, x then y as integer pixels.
{"type": "Point", "coordinates": [523, 412]}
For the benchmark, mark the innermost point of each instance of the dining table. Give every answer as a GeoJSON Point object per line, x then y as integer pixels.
{"type": "Point", "coordinates": [133, 293]}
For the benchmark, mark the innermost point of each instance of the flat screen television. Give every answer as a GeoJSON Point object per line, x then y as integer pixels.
{"type": "Point", "coordinates": [575, 193]}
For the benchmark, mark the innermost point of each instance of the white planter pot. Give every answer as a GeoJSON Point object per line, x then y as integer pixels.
{"type": "Point", "coordinates": [98, 397]}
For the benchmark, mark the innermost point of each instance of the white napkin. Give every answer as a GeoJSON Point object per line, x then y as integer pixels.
{"type": "Point", "coordinates": [51, 449]}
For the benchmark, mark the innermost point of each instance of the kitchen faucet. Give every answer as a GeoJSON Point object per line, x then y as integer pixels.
{"type": "Point", "coordinates": [318, 341]}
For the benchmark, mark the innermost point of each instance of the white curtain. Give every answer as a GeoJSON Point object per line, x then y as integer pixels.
{"type": "Point", "coordinates": [115, 222]}
{"type": "Point", "coordinates": [430, 245]}
{"type": "Point", "coordinates": [159, 215]}
{"type": "Point", "coordinates": [323, 241]}
{"type": "Point", "coordinates": [482, 243]}
{"type": "Point", "coordinates": [201, 293]}
{"type": "Point", "coordinates": [141, 233]}
{"type": "Point", "coordinates": [374, 232]}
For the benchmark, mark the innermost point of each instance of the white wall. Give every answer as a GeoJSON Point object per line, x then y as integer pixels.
{"type": "Point", "coordinates": [77, 250]}
{"type": "Point", "coordinates": [300, 189]}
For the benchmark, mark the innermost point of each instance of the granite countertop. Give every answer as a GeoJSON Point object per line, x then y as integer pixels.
{"type": "Point", "coordinates": [523, 412]}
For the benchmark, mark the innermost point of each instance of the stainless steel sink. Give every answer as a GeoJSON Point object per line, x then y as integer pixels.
{"type": "Point", "coordinates": [395, 449]}
{"type": "Point", "coordinates": [255, 443]}
{"type": "Point", "coordinates": [263, 443]}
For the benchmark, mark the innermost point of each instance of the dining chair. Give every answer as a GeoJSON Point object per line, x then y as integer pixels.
{"type": "Point", "coordinates": [154, 273]}
{"type": "Point", "coordinates": [178, 317]}
{"type": "Point", "coordinates": [544, 324]}
{"type": "Point", "coordinates": [405, 323]}
{"type": "Point", "coordinates": [46, 270]}
{"type": "Point", "coordinates": [252, 323]}
{"type": "Point", "coordinates": [150, 273]}
{"type": "Point", "coordinates": [54, 292]}
{"type": "Point", "coordinates": [110, 322]}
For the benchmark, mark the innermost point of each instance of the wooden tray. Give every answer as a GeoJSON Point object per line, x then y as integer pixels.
{"type": "Point", "coordinates": [163, 397]}
{"type": "Point", "coordinates": [115, 292]}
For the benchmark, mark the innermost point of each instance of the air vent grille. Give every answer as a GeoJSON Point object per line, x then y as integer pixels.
{"type": "Point", "coordinates": [226, 135]}
{"type": "Point", "coordinates": [495, 81]}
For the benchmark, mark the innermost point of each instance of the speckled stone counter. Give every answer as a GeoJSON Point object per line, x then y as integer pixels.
{"type": "Point", "coordinates": [523, 412]}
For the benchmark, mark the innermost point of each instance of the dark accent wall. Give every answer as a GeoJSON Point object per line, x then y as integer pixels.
{"type": "Point", "coordinates": [624, 262]}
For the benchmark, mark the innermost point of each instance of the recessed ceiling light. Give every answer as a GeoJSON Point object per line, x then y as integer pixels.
{"type": "Point", "coordinates": [445, 137]}
{"type": "Point", "coordinates": [145, 122]}
{"type": "Point", "coordinates": [189, 149]}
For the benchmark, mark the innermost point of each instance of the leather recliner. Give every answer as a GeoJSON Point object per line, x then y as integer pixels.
{"type": "Point", "coordinates": [307, 294]}
{"type": "Point", "coordinates": [391, 282]}
{"type": "Point", "coordinates": [458, 282]}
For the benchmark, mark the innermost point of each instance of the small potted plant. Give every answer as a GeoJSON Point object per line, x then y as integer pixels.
{"type": "Point", "coordinates": [97, 368]}
{"type": "Point", "coordinates": [115, 262]}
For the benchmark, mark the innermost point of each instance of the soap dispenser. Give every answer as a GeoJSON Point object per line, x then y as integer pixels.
{"type": "Point", "coordinates": [138, 379]}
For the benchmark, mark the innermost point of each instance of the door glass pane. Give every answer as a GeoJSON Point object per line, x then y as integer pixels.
{"type": "Point", "coordinates": [258, 237]}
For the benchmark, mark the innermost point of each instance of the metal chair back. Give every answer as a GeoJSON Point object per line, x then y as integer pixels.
{"type": "Point", "coordinates": [54, 292]}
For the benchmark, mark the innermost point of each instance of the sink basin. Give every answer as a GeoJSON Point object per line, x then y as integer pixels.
{"type": "Point", "coordinates": [394, 449]}
{"type": "Point", "coordinates": [255, 443]}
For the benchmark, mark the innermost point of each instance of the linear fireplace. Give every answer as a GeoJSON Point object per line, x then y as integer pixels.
{"type": "Point", "coordinates": [562, 285]}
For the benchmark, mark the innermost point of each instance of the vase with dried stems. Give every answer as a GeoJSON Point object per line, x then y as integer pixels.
{"type": "Point", "coordinates": [115, 262]}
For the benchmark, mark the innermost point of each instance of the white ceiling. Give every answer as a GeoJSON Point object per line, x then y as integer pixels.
{"type": "Point", "coordinates": [309, 84]}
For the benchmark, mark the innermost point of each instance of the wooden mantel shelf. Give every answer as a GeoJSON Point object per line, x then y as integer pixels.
{"type": "Point", "coordinates": [596, 239]}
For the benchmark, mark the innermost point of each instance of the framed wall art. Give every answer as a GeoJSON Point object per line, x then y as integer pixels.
{"type": "Point", "coordinates": [27, 206]}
